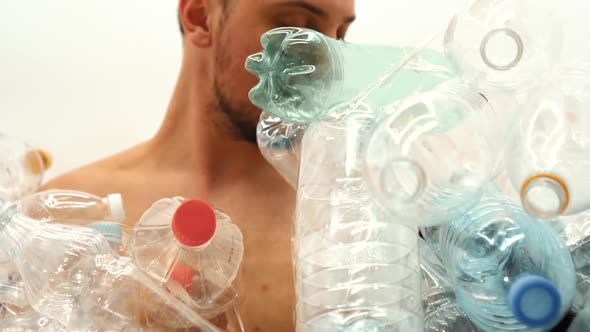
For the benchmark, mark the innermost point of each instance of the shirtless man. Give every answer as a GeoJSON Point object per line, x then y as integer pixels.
{"type": "Point", "coordinates": [206, 146]}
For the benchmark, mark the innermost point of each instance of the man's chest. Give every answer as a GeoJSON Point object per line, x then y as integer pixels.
{"type": "Point", "coordinates": [266, 284]}
{"type": "Point", "coordinates": [267, 288]}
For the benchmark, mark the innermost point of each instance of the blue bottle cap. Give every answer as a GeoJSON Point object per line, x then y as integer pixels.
{"type": "Point", "coordinates": [534, 300]}
{"type": "Point", "coordinates": [112, 231]}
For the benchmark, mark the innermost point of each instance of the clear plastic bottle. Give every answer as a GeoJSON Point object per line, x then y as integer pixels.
{"type": "Point", "coordinates": [304, 73]}
{"type": "Point", "coordinates": [355, 268]}
{"type": "Point", "coordinates": [65, 207]}
{"type": "Point", "coordinates": [497, 44]}
{"type": "Point", "coordinates": [432, 154]}
{"type": "Point", "coordinates": [550, 154]}
{"type": "Point", "coordinates": [21, 168]}
{"type": "Point", "coordinates": [71, 275]}
{"type": "Point", "coordinates": [441, 311]}
{"type": "Point", "coordinates": [72, 207]}
{"type": "Point", "coordinates": [193, 249]}
{"type": "Point", "coordinates": [280, 144]}
{"type": "Point", "coordinates": [510, 271]}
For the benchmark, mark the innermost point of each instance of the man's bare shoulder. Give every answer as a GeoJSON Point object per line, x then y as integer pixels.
{"type": "Point", "coordinates": [98, 177]}
{"type": "Point", "coordinates": [131, 173]}
{"type": "Point", "coordinates": [102, 176]}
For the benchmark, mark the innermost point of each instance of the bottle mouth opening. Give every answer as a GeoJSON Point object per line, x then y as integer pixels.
{"type": "Point", "coordinates": [403, 180]}
{"type": "Point", "coordinates": [501, 49]}
{"type": "Point", "coordinates": [544, 195]}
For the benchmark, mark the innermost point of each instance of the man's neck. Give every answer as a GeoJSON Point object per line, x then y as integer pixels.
{"type": "Point", "coordinates": [196, 138]}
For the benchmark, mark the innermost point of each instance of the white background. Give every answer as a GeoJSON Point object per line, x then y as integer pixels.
{"type": "Point", "coordinates": [87, 78]}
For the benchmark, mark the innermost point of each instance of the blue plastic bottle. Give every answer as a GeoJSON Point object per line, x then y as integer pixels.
{"type": "Point", "coordinates": [510, 271]}
{"type": "Point", "coordinates": [441, 311]}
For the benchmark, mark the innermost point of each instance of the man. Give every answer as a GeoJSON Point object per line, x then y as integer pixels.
{"type": "Point", "coordinates": [206, 146]}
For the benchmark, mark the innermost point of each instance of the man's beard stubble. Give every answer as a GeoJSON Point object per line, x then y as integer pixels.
{"type": "Point", "coordinates": [237, 122]}
{"type": "Point", "coordinates": [238, 118]}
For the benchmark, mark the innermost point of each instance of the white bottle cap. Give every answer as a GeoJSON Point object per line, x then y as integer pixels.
{"type": "Point", "coordinates": [115, 202]}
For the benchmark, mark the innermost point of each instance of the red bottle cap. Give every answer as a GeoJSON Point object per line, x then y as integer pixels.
{"type": "Point", "coordinates": [193, 223]}
{"type": "Point", "coordinates": [183, 275]}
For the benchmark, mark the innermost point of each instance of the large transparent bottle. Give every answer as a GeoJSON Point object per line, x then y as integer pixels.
{"type": "Point", "coordinates": [510, 271]}
{"type": "Point", "coordinates": [304, 73]}
{"type": "Point", "coordinates": [71, 275]}
{"type": "Point", "coordinates": [192, 249]}
{"type": "Point", "coordinates": [280, 144]}
{"type": "Point", "coordinates": [441, 311]}
{"type": "Point", "coordinates": [355, 268]}
{"type": "Point", "coordinates": [550, 156]}
{"type": "Point", "coordinates": [505, 45]}
{"type": "Point", "coordinates": [21, 168]}
{"type": "Point", "coordinates": [431, 154]}
{"type": "Point", "coordinates": [104, 214]}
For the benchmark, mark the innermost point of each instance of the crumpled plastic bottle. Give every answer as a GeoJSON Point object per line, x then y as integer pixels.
{"type": "Point", "coordinates": [71, 275]}
{"type": "Point", "coordinates": [304, 73]}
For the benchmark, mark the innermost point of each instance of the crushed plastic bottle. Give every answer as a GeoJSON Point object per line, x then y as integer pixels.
{"type": "Point", "coordinates": [280, 144]}
{"type": "Point", "coordinates": [71, 275]}
{"type": "Point", "coordinates": [21, 168]}
{"type": "Point", "coordinates": [510, 272]}
{"type": "Point", "coordinates": [65, 207]}
{"type": "Point", "coordinates": [550, 154]}
{"type": "Point", "coordinates": [304, 73]}
{"type": "Point", "coordinates": [580, 249]}
{"type": "Point", "coordinates": [431, 155]}
{"type": "Point", "coordinates": [505, 45]}
{"type": "Point", "coordinates": [192, 249]}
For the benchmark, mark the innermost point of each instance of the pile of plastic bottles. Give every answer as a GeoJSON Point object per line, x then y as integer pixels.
{"type": "Point", "coordinates": [484, 147]}
{"type": "Point", "coordinates": [68, 262]}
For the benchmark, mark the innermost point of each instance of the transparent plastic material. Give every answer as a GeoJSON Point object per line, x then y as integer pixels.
{"type": "Point", "coordinates": [21, 168]}
{"type": "Point", "coordinates": [431, 155]}
{"type": "Point", "coordinates": [304, 73]}
{"type": "Point", "coordinates": [581, 255]}
{"type": "Point", "coordinates": [510, 272]}
{"type": "Point", "coordinates": [581, 323]}
{"type": "Point", "coordinates": [204, 274]}
{"type": "Point", "coordinates": [65, 207]}
{"type": "Point", "coordinates": [355, 269]}
{"type": "Point", "coordinates": [72, 276]}
{"type": "Point", "coordinates": [574, 229]}
{"type": "Point", "coordinates": [30, 321]}
{"type": "Point", "coordinates": [550, 156]}
{"type": "Point", "coordinates": [441, 311]}
{"type": "Point", "coordinates": [72, 207]}
{"type": "Point", "coordinates": [498, 44]}
{"type": "Point", "coordinates": [280, 144]}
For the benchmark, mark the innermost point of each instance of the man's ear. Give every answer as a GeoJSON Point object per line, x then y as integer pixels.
{"type": "Point", "coordinates": [194, 17]}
